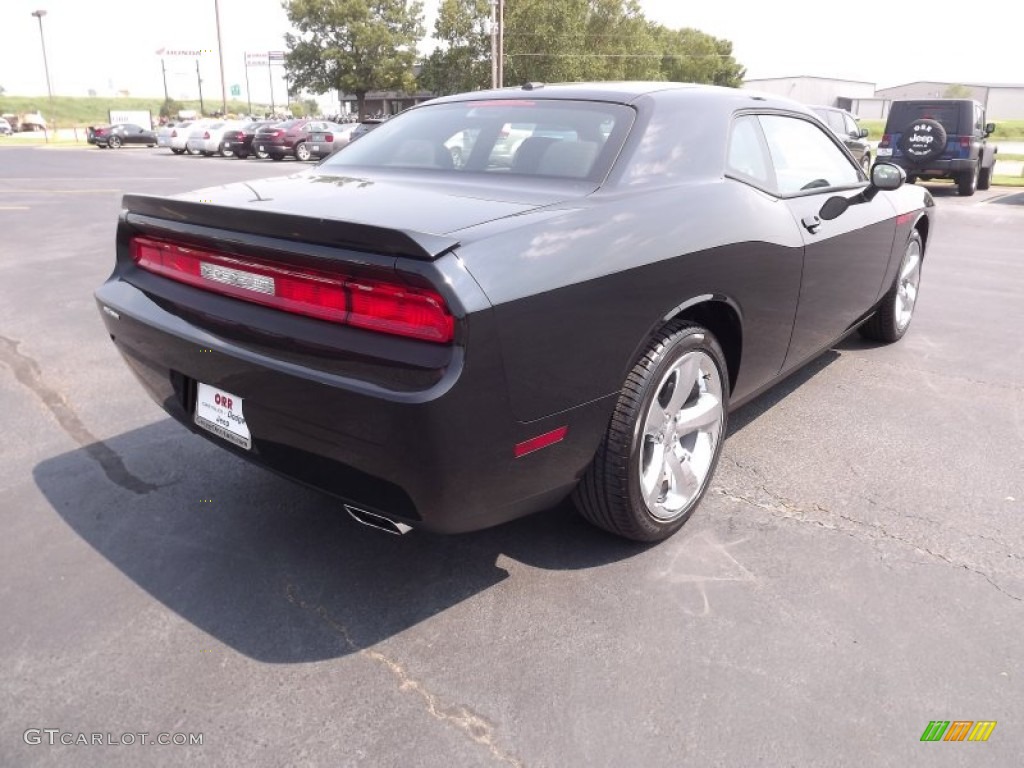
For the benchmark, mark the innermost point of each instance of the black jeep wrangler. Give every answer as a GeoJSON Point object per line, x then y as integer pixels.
{"type": "Point", "coordinates": [940, 139]}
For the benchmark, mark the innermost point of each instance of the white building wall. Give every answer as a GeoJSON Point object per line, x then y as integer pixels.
{"type": "Point", "coordinates": [812, 90]}
{"type": "Point", "coordinates": [1005, 104]}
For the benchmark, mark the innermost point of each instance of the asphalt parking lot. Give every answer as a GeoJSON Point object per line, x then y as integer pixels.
{"type": "Point", "coordinates": [856, 571]}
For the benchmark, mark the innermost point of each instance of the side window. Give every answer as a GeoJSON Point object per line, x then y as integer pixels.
{"type": "Point", "coordinates": [835, 122]}
{"type": "Point", "coordinates": [805, 158]}
{"type": "Point", "coordinates": [748, 156]}
{"type": "Point", "coordinates": [979, 119]}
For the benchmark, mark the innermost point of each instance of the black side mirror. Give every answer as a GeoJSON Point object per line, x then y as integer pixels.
{"type": "Point", "coordinates": [862, 133]}
{"type": "Point", "coordinates": [884, 176]}
{"type": "Point", "coordinates": [990, 128]}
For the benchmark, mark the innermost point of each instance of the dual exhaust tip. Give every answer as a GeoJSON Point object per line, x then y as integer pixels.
{"type": "Point", "coordinates": [373, 520]}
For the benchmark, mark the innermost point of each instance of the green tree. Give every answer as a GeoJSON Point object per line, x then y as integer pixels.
{"type": "Point", "coordinates": [353, 46]}
{"type": "Point", "coordinates": [957, 92]}
{"type": "Point", "coordinates": [692, 56]}
{"type": "Point", "coordinates": [572, 40]}
{"type": "Point", "coordinates": [463, 61]}
{"type": "Point", "coordinates": [169, 108]}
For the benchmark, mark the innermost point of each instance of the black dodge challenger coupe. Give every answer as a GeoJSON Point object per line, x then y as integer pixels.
{"type": "Point", "coordinates": [452, 345]}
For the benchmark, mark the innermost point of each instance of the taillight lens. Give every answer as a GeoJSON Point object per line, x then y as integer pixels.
{"type": "Point", "coordinates": [965, 141]}
{"type": "Point", "coordinates": [174, 134]}
{"type": "Point", "coordinates": [376, 305]}
{"type": "Point", "coordinates": [206, 134]}
{"type": "Point", "coordinates": [278, 133]}
{"type": "Point", "coordinates": [328, 137]}
{"type": "Point", "coordinates": [886, 141]}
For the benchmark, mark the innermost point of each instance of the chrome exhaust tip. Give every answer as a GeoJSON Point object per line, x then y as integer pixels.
{"type": "Point", "coordinates": [374, 520]}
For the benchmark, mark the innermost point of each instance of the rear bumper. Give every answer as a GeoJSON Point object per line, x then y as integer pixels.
{"type": "Point", "coordinates": [933, 167]}
{"type": "Point", "coordinates": [439, 455]}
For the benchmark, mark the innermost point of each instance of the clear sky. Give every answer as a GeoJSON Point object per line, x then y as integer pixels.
{"type": "Point", "coordinates": [109, 48]}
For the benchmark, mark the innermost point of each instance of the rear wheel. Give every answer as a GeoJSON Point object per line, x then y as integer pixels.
{"type": "Point", "coordinates": [967, 182]}
{"type": "Point", "coordinates": [224, 152]}
{"type": "Point", "coordinates": [261, 155]}
{"type": "Point", "coordinates": [985, 176]}
{"type": "Point", "coordinates": [892, 318]}
{"type": "Point", "coordinates": [302, 151]}
{"type": "Point", "coordinates": [114, 142]}
{"type": "Point", "coordinates": [177, 151]}
{"type": "Point", "coordinates": [656, 460]}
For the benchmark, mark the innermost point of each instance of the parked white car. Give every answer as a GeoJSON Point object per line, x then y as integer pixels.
{"type": "Point", "coordinates": [178, 137]}
{"type": "Point", "coordinates": [5, 128]}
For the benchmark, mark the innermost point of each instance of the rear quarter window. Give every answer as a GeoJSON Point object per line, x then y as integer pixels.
{"type": "Point", "coordinates": [947, 114]}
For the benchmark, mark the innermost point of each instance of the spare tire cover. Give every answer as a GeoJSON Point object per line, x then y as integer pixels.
{"type": "Point", "coordinates": [923, 140]}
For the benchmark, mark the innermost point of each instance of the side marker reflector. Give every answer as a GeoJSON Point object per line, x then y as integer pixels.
{"type": "Point", "coordinates": [540, 441]}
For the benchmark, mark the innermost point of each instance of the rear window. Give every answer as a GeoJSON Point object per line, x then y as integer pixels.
{"type": "Point", "coordinates": [904, 113]}
{"type": "Point", "coordinates": [557, 139]}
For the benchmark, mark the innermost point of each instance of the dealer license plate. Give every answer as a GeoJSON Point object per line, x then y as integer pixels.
{"type": "Point", "coordinates": [261, 148]}
{"type": "Point", "coordinates": [315, 148]}
{"type": "Point", "coordinates": [220, 412]}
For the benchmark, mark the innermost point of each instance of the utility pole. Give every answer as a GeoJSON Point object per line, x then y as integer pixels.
{"type": "Point", "coordinates": [501, 43]}
{"type": "Point", "coordinates": [270, 75]}
{"type": "Point", "coordinates": [199, 79]}
{"type": "Point", "coordinates": [248, 93]}
{"type": "Point", "coordinates": [494, 44]}
{"type": "Point", "coordinates": [220, 51]}
{"type": "Point", "coordinates": [163, 68]}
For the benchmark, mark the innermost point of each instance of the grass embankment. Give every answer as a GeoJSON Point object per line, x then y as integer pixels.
{"type": "Point", "coordinates": [1007, 130]}
{"type": "Point", "coordinates": [81, 112]}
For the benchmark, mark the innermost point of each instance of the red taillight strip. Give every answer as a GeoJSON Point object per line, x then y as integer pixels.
{"type": "Point", "coordinates": [387, 307]}
{"type": "Point", "coordinates": [540, 441]}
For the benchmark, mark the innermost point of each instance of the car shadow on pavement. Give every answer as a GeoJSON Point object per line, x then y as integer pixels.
{"type": "Point", "coordinates": [750, 412]}
{"type": "Point", "coordinates": [279, 572]}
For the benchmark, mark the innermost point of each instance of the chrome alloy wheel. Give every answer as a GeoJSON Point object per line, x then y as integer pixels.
{"type": "Point", "coordinates": [907, 284]}
{"type": "Point", "coordinates": [680, 434]}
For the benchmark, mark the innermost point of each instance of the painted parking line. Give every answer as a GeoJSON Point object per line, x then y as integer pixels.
{"type": "Point", "coordinates": [14, 208]}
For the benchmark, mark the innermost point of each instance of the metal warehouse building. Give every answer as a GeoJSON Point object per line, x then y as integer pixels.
{"type": "Point", "coordinates": [1002, 102]}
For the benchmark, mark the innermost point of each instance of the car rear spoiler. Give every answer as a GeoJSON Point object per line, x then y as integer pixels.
{"type": "Point", "coordinates": [287, 226]}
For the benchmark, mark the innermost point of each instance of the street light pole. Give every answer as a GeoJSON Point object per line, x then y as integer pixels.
{"type": "Point", "coordinates": [46, 66]}
{"type": "Point", "coordinates": [220, 50]}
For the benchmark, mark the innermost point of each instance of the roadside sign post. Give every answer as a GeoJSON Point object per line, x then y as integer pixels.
{"type": "Point", "coordinates": [248, 93]}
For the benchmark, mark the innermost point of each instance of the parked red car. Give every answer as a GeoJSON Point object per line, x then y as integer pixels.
{"type": "Point", "coordinates": [287, 139]}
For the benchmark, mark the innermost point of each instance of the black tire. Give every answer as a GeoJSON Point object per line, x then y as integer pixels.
{"type": "Point", "coordinates": [985, 176]}
{"type": "Point", "coordinates": [302, 152]}
{"type": "Point", "coordinates": [177, 151]}
{"type": "Point", "coordinates": [883, 325]}
{"type": "Point", "coordinates": [277, 158]}
{"type": "Point", "coordinates": [261, 155]}
{"type": "Point", "coordinates": [206, 153]}
{"type": "Point", "coordinates": [241, 155]}
{"type": "Point", "coordinates": [114, 142]}
{"type": "Point", "coordinates": [923, 140]}
{"type": "Point", "coordinates": [610, 493]}
{"type": "Point", "coordinates": [967, 182]}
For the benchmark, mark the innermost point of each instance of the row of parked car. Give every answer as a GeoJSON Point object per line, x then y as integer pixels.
{"type": "Point", "coordinates": [303, 139]}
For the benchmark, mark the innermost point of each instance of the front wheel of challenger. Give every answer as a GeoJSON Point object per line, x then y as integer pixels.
{"type": "Point", "coordinates": [892, 318]}
{"type": "Point", "coordinates": [657, 458]}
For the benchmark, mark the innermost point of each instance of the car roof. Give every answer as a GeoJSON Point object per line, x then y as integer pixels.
{"type": "Point", "coordinates": [628, 92]}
